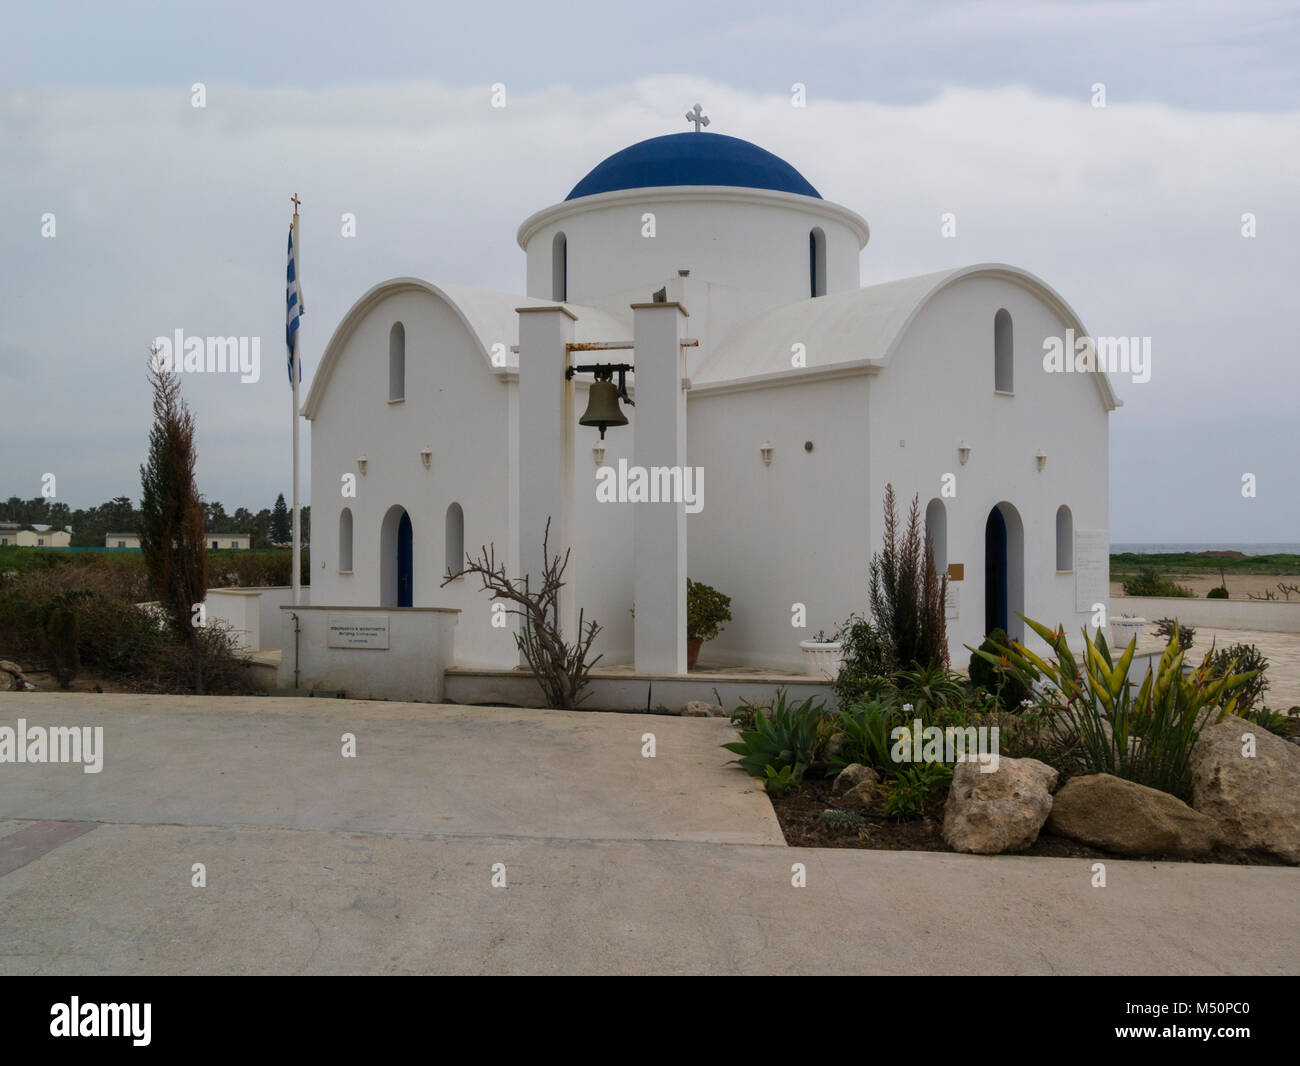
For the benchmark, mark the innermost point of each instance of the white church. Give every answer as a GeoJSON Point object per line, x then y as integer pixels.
{"type": "Point", "coordinates": [784, 392]}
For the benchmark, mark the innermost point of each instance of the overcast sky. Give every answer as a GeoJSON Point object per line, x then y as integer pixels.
{"type": "Point", "coordinates": [169, 216]}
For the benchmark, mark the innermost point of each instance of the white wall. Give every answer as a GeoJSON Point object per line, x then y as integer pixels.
{"type": "Point", "coordinates": [455, 405]}
{"type": "Point", "coordinates": [747, 239]}
{"type": "Point", "coordinates": [421, 645]}
{"type": "Point", "coordinates": [938, 390]}
{"type": "Point", "coordinates": [792, 532]}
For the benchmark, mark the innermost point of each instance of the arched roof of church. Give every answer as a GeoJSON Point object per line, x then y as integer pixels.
{"type": "Point", "coordinates": [487, 315]}
{"type": "Point", "coordinates": [693, 159]}
{"type": "Point", "coordinates": [862, 327]}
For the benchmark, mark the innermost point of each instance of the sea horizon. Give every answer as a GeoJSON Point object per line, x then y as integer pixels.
{"type": "Point", "coordinates": [1170, 548]}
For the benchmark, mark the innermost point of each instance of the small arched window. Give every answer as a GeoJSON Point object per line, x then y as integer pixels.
{"type": "Point", "coordinates": [1064, 538]}
{"type": "Point", "coordinates": [455, 540]}
{"type": "Point", "coordinates": [397, 362]}
{"type": "Point", "coordinates": [817, 262]}
{"type": "Point", "coordinates": [936, 534]}
{"type": "Point", "coordinates": [1003, 376]}
{"type": "Point", "coordinates": [560, 268]}
{"type": "Point", "coordinates": [345, 541]}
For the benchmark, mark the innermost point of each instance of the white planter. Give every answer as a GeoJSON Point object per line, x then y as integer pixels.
{"type": "Point", "coordinates": [822, 659]}
{"type": "Point", "coordinates": [1123, 630]}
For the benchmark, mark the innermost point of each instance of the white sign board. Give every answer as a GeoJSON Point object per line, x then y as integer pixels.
{"type": "Point", "coordinates": [358, 631]}
{"type": "Point", "coordinates": [1091, 568]}
{"type": "Point", "coordinates": [953, 601]}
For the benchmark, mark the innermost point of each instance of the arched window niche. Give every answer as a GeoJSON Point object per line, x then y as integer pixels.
{"type": "Point", "coordinates": [560, 268]}
{"type": "Point", "coordinates": [817, 262]}
{"type": "Point", "coordinates": [1064, 539]}
{"type": "Point", "coordinates": [397, 363]}
{"type": "Point", "coordinates": [345, 541]}
{"type": "Point", "coordinates": [1003, 364]}
{"type": "Point", "coordinates": [455, 540]}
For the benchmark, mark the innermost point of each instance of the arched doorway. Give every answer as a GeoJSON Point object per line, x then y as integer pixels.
{"type": "Point", "coordinates": [1004, 571]}
{"type": "Point", "coordinates": [397, 559]}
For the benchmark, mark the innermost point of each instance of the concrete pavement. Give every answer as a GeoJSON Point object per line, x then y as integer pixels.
{"type": "Point", "coordinates": [612, 863]}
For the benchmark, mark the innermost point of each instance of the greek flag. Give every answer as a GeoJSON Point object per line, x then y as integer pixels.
{"type": "Point", "coordinates": [293, 302]}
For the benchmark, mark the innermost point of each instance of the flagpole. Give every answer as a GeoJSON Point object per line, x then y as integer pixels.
{"type": "Point", "coordinates": [296, 373]}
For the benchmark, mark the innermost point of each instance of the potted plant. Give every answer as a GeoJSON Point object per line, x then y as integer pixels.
{"type": "Point", "coordinates": [706, 610]}
{"type": "Point", "coordinates": [822, 655]}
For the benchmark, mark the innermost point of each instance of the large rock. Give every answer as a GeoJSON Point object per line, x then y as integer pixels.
{"type": "Point", "coordinates": [1255, 800]}
{"type": "Point", "coordinates": [853, 775]}
{"type": "Point", "coordinates": [1002, 811]}
{"type": "Point", "coordinates": [1130, 819]}
{"type": "Point", "coordinates": [12, 678]}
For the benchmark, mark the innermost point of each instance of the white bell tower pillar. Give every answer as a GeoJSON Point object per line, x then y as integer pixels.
{"type": "Point", "coordinates": [545, 459]}
{"type": "Point", "coordinates": [659, 529]}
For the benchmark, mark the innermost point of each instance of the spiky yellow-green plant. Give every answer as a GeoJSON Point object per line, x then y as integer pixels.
{"type": "Point", "coordinates": [1104, 726]}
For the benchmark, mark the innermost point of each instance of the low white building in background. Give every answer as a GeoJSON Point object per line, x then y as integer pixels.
{"type": "Point", "coordinates": [13, 534]}
{"type": "Point", "coordinates": [214, 541]}
{"type": "Point", "coordinates": [442, 420]}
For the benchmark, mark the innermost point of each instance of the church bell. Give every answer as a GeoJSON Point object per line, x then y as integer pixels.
{"type": "Point", "coordinates": [603, 410]}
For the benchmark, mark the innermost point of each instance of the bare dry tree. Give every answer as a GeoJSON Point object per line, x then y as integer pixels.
{"type": "Point", "coordinates": [561, 668]}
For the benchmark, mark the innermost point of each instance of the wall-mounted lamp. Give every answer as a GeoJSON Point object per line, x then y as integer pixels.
{"type": "Point", "coordinates": [963, 452]}
{"type": "Point", "coordinates": [602, 399]}
{"type": "Point", "coordinates": [598, 453]}
{"type": "Point", "coordinates": [1041, 458]}
{"type": "Point", "coordinates": [765, 449]}
{"type": "Point", "coordinates": [361, 464]}
{"type": "Point", "coordinates": [426, 456]}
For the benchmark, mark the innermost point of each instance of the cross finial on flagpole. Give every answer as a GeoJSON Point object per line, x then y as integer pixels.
{"type": "Point", "coordinates": [696, 115]}
{"type": "Point", "coordinates": [296, 202]}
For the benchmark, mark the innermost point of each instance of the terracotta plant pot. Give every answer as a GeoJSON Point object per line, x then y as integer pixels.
{"type": "Point", "coordinates": [693, 646]}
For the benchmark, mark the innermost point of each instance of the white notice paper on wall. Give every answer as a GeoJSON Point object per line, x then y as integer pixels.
{"type": "Point", "coordinates": [953, 601]}
{"type": "Point", "coordinates": [1091, 568]}
{"type": "Point", "coordinates": [358, 631]}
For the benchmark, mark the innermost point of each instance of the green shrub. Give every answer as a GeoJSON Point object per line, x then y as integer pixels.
{"type": "Point", "coordinates": [1247, 658]}
{"type": "Point", "coordinates": [793, 737]}
{"type": "Point", "coordinates": [866, 727]}
{"type": "Point", "coordinates": [865, 654]}
{"type": "Point", "coordinates": [841, 821]}
{"type": "Point", "coordinates": [61, 636]}
{"type": "Point", "coordinates": [779, 782]}
{"type": "Point", "coordinates": [706, 610]}
{"type": "Point", "coordinates": [907, 594]}
{"type": "Point", "coordinates": [1104, 728]}
{"type": "Point", "coordinates": [1148, 583]}
{"type": "Point", "coordinates": [1278, 723]}
{"type": "Point", "coordinates": [1219, 593]}
{"type": "Point", "coordinates": [934, 695]}
{"type": "Point", "coordinates": [913, 788]}
{"type": "Point", "coordinates": [994, 678]}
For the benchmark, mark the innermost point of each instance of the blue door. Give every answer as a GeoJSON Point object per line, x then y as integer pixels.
{"type": "Point", "coordinates": [405, 567]}
{"type": "Point", "coordinates": [995, 572]}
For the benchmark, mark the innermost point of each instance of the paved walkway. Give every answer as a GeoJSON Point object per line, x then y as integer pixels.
{"type": "Point", "coordinates": [613, 863]}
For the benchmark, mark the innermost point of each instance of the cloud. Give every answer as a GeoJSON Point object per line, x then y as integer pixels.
{"type": "Point", "coordinates": [174, 217]}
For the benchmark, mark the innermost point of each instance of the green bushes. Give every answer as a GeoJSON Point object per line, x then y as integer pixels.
{"type": "Point", "coordinates": [841, 821]}
{"type": "Point", "coordinates": [996, 679]}
{"type": "Point", "coordinates": [907, 594]}
{"type": "Point", "coordinates": [915, 787]}
{"type": "Point", "coordinates": [1103, 727]}
{"type": "Point", "coordinates": [706, 610]}
{"type": "Point", "coordinates": [780, 749]}
{"type": "Point", "coordinates": [1247, 659]}
{"type": "Point", "coordinates": [1219, 593]}
{"type": "Point", "coordinates": [1148, 583]}
{"type": "Point", "coordinates": [865, 654]}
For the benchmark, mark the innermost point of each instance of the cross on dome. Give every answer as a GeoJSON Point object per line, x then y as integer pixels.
{"type": "Point", "coordinates": [697, 115]}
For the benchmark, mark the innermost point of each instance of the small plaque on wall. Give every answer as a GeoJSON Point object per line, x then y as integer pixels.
{"type": "Point", "coordinates": [956, 571]}
{"type": "Point", "coordinates": [358, 631]}
{"type": "Point", "coordinates": [952, 602]}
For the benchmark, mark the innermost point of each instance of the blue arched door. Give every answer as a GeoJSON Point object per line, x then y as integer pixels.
{"type": "Point", "coordinates": [405, 562]}
{"type": "Point", "coordinates": [995, 572]}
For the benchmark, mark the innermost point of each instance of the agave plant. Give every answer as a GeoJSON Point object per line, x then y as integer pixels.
{"type": "Point", "coordinates": [1145, 736]}
{"type": "Point", "coordinates": [792, 737]}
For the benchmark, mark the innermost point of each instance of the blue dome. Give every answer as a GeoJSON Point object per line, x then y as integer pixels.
{"type": "Point", "coordinates": [693, 159]}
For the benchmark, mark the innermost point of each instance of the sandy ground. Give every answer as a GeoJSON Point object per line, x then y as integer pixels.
{"type": "Point", "coordinates": [1240, 586]}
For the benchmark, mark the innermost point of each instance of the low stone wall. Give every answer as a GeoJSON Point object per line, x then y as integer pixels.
{"type": "Point", "coordinates": [627, 692]}
{"type": "Point", "coordinates": [377, 653]}
{"type": "Point", "coordinates": [1268, 617]}
{"type": "Point", "coordinates": [252, 613]}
